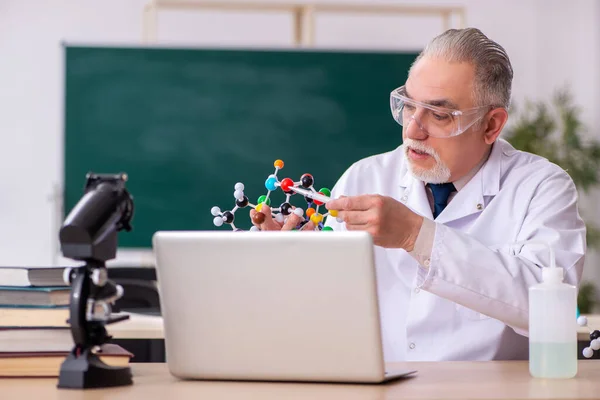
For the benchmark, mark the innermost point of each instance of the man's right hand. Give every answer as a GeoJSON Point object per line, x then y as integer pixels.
{"type": "Point", "coordinates": [271, 224]}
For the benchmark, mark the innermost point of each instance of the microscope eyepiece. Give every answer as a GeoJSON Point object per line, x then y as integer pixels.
{"type": "Point", "coordinates": [89, 231]}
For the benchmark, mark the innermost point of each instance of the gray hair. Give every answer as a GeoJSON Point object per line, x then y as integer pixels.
{"type": "Point", "coordinates": [493, 71]}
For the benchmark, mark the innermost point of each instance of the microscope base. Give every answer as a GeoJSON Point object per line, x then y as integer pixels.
{"type": "Point", "coordinates": [88, 371]}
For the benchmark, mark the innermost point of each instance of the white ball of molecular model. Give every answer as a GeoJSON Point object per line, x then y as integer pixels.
{"type": "Point", "coordinates": [588, 352]}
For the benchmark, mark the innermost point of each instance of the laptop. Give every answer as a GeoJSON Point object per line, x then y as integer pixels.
{"type": "Point", "coordinates": [271, 306]}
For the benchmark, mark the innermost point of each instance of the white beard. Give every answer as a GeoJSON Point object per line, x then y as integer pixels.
{"type": "Point", "coordinates": [440, 173]}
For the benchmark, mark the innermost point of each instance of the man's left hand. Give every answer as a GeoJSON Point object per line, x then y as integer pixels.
{"type": "Point", "coordinates": [390, 223]}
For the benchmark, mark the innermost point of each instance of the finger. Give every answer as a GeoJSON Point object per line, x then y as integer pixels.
{"type": "Point", "coordinates": [336, 199]}
{"type": "Point", "coordinates": [270, 222]}
{"type": "Point", "coordinates": [258, 218]}
{"type": "Point", "coordinates": [335, 204]}
{"type": "Point", "coordinates": [356, 217]}
{"type": "Point", "coordinates": [362, 227]}
{"type": "Point", "coordinates": [292, 221]}
{"type": "Point", "coordinates": [354, 203]}
{"type": "Point", "coordinates": [252, 218]}
{"type": "Point", "coordinates": [267, 223]}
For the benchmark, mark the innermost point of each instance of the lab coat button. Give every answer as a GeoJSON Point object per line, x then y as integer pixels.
{"type": "Point", "coordinates": [479, 206]}
{"type": "Point", "coordinates": [412, 346]}
{"type": "Point", "coordinates": [417, 290]}
{"type": "Point", "coordinates": [427, 263]}
{"type": "Point", "coordinates": [404, 198]}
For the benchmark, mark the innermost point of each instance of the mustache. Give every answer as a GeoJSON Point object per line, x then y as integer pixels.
{"type": "Point", "coordinates": [415, 145]}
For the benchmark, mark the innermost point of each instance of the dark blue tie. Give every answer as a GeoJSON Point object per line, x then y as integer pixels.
{"type": "Point", "coordinates": [441, 192]}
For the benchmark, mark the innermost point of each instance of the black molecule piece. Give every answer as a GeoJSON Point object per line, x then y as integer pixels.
{"type": "Point", "coordinates": [243, 202]}
{"type": "Point", "coordinates": [286, 208]}
{"type": "Point", "coordinates": [595, 335]}
{"type": "Point", "coordinates": [228, 217]}
{"type": "Point", "coordinates": [301, 224]}
{"type": "Point", "coordinates": [307, 181]}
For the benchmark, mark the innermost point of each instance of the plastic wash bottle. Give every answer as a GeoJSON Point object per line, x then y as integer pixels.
{"type": "Point", "coordinates": [552, 325]}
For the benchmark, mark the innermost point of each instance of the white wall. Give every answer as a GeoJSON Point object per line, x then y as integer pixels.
{"type": "Point", "coordinates": [550, 42]}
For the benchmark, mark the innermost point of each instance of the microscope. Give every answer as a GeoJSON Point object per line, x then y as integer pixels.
{"type": "Point", "coordinates": [89, 234]}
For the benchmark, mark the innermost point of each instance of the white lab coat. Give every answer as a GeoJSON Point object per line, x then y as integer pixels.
{"type": "Point", "coordinates": [472, 301]}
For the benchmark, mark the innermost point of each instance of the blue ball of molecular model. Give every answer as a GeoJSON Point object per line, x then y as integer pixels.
{"type": "Point", "coordinates": [271, 183]}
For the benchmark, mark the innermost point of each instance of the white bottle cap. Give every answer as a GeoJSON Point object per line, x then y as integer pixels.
{"type": "Point", "coordinates": [552, 275]}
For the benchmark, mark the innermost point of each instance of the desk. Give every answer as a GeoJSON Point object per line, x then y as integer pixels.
{"type": "Point", "coordinates": [151, 327]}
{"type": "Point", "coordinates": [444, 380]}
{"type": "Point", "coordinates": [143, 335]}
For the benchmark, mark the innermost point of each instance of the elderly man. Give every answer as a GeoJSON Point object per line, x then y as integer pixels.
{"type": "Point", "coordinates": [446, 208]}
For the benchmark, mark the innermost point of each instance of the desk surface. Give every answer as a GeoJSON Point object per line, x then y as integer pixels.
{"type": "Point", "coordinates": [444, 380]}
{"type": "Point", "coordinates": [151, 327]}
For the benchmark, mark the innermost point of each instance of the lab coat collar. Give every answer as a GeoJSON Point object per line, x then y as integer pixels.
{"type": "Point", "coordinates": [469, 200]}
{"type": "Point", "coordinates": [492, 169]}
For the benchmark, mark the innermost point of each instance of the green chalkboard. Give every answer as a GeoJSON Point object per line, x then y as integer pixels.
{"type": "Point", "coordinates": [187, 124]}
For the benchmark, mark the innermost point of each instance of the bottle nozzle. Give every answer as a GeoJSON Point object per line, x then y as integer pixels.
{"type": "Point", "coordinates": [553, 274]}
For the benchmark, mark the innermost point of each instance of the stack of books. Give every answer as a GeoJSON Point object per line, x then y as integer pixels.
{"type": "Point", "coordinates": [34, 332]}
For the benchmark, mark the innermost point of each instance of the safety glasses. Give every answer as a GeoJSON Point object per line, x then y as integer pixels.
{"type": "Point", "coordinates": [435, 121]}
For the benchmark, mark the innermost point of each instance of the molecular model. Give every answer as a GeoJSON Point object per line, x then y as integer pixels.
{"type": "Point", "coordinates": [289, 187]}
{"type": "Point", "coordinates": [588, 352]}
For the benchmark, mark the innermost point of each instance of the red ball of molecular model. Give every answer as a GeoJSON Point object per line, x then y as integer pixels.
{"type": "Point", "coordinates": [305, 186]}
{"type": "Point", "coordinates": [588, 352]}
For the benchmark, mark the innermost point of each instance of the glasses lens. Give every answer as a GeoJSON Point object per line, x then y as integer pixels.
{"type": "Point", "coordinates": [396, 106]}
{"type": "Point", "coordinates": [435, 121]}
